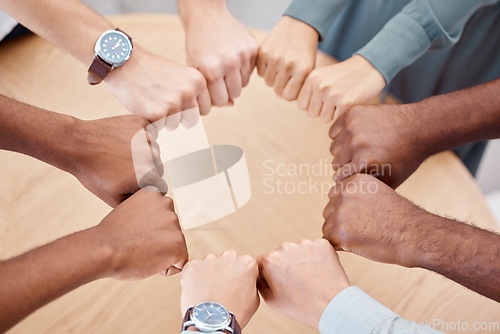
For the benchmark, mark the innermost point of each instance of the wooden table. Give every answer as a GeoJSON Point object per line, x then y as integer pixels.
{"type": "Point", "coordinates": [39, 203]}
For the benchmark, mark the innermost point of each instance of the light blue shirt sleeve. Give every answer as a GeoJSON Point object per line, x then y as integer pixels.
{"type": "Point", "coordinates": [319, 14]}
{"type": "Point", "coordinates": [354, 311]}
{"type": "Point", "coordinates": [421, 25]}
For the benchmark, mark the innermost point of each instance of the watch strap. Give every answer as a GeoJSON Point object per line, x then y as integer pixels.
{"type": "Point", "coordinates": [234, 325]}
{"type": "Point", "coordinates": [98, 70]}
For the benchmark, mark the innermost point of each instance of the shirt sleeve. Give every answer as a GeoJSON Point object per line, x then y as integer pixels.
{"type": "Point", "coordinates": [421, 25]}
{"type": "Point", "coordinates": [319, 14]}
{"type": "Point", "coordinates": [354, 311]}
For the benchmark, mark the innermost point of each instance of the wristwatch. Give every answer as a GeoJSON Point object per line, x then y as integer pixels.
{"type": "Point", "coordinates": [211, 317]}
{"type": "Point", "coordinates": [112, 49]}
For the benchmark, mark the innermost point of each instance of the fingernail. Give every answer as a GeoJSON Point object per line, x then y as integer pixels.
{"type": "Point", "coordinates": [163, 273]}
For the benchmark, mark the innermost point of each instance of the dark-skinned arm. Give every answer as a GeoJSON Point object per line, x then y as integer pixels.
{"type": "Point", "coordinates": [391, 141]}
{"type": "Point", "coordinates": [373, 221]}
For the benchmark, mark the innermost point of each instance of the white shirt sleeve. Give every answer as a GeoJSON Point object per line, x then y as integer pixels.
{"type": "Point", "coordinates": [354, 311]}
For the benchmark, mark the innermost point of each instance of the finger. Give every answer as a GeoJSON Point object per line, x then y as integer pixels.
{"type": "Point", "coordinates": [293, 86]}
{"type": "Point", "coordinates": [335, 246]}
{"type": "Point", "coordinates": [270, 76]}
{"type": "Point", "coordinates": [305, 95]}
{"type": "Point", "coordinates": [233, 84]}
{"type": "Point", "coordinates": [349, 170]}
{"type": "Point", "coordinates": [336, 190]}
{"type": "Point", "coordinates": [218, 92]}
{"type": "Point", "coordinates": [337, 128]}
{"type": "Point", "coordinates": [190, 117]}
{"type": "Point", "coordinates": [247, 69]}
{"type": "Point", "coordinates": [173, 121]}
{"type": "Point", "coordinates": [334, 201]}
{"type": "Point", "coordinates": [340, 151]}
{"type": "Point", "coordinates": [261, 65]}
{"type": "Point", "coordinates": [315, 104]}
{"type": "Point", "coordinates": [327, 111]}
{"type": "Point", "coordinates": [155, 151]}
{"type": "Point", "coordinates": [172, 271]}
{"type": "Point", "coordinates": [204, 101]}
{"type": "Point", "coordinates": [281, 81]}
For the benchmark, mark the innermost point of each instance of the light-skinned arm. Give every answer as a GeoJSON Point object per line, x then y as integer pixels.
{"type": "Point", "coordinates": [219, 46]}
{"type": "Point", "coordinates": [368, 218]}
{"type": "Point", "coordinates": [98, 152]}
{"type": "Point", "coordinates": [229, 279]}
{"type": "Point", "coordinates": [306, 282]}
{"type": "Point", "coordinates": [138, 239]}
{"type": "Point", "coordinates": [391, 141]}
{"type": "Point", "coordinates": [148, 85]}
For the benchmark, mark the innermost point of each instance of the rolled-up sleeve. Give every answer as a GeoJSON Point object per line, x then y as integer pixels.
{"type": "Point", "coordinates": [319, 14]}
{"type": "Point", "coordinates": [354, 311]}
{"type": "Point", "coordinates": [421, 25]}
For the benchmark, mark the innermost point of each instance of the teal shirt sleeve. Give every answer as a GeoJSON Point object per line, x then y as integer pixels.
{"type": "Point", "coordinates": [354, 311]}
{"type": "Point", "coordinates": [421, 25]}
{"type": "Point", "coordinates": [319, 14]}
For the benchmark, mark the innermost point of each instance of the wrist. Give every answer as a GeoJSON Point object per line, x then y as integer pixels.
{"type": "Point", "coordinates": [299, 27]}
{"type": "Point", "coordinates": [97, 254]}
{"type": "Point", "coordinates": [67, 148]}
{"type": "Point", "coordinates": [192, 11]}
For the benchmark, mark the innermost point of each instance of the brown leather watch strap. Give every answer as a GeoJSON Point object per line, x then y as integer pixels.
{"type": "Point", "coordinates": [98, 71]}
{"type": "Point", "coordinates": [234, 325]}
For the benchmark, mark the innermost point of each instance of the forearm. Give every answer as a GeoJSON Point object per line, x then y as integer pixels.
{"type": "Point", "coordinates": [68, 24]}
{"type": "Point", "coordinates": [465, 254]}
{"type": "Point", "coordinates": [31, 280]}
{"type": "Point", "coordinates": [447, 121]}
{"type": "Point", "coordinates": [42, 134]}
{"type": "Point", "coordinates": [194, 9]}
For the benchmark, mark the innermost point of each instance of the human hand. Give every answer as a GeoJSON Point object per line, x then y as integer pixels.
{"type": "Point", "coordinates": [112, 153]}
{"type": "Point", "coordinates": [229, 279]}
{"type": "Point", "coordinates": [287, 56]}
{"type": "Point", "coordinates": [387, 141]}
{"type": "Point", "coordinates": [337, 87]}
{"type": "Point", "coordinates": [368, 218]}
{"type": "Point", "coordinates": [144, 237]}
{"type": "Point", "coordinates": [220, 47]}
{"type": "Point", "coordinates": [155, 87]}
{"type": "Point", "coordinates": [300, 280]}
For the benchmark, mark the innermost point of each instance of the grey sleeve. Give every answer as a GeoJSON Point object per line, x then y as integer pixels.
{"type": "Point", "coordinates": [421, 25]}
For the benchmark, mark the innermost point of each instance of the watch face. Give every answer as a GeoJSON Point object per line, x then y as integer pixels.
{"type": "Point", "coordinates": [210, 316]}
{"type": "Point", "coordinates": [114, 47]}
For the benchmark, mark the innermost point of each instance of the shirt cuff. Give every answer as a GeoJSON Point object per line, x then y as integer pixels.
{"type": "Point", "coordinates": [353, 311]}
{"type": "Point", "coordinates": [402, 41]}
{"type": "Point", "coordinates": [319, 14]}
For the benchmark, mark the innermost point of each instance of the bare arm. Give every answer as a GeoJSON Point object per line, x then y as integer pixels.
{"type": "Point", "coordinates": [98, 153]}
{"type": "Point", "coordinates": [147, 85]}
{"type": "Point", "coordinates": [385, 227]}
{"type": "Point", "coordinates": [391, 141]}
{"type": "Point", "coordinates": [34, 279]}
{"type": "Point", "coordinates": [138, 239]}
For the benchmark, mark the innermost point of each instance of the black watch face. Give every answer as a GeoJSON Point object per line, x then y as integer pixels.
{"type": "Point", "coordinates": [211, 315]}
{"type": "Point", "coordinates": [115, 48]}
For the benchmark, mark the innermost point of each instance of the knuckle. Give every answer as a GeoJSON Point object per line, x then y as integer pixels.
{"type": "Point", "coordinates": [230, 253]}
